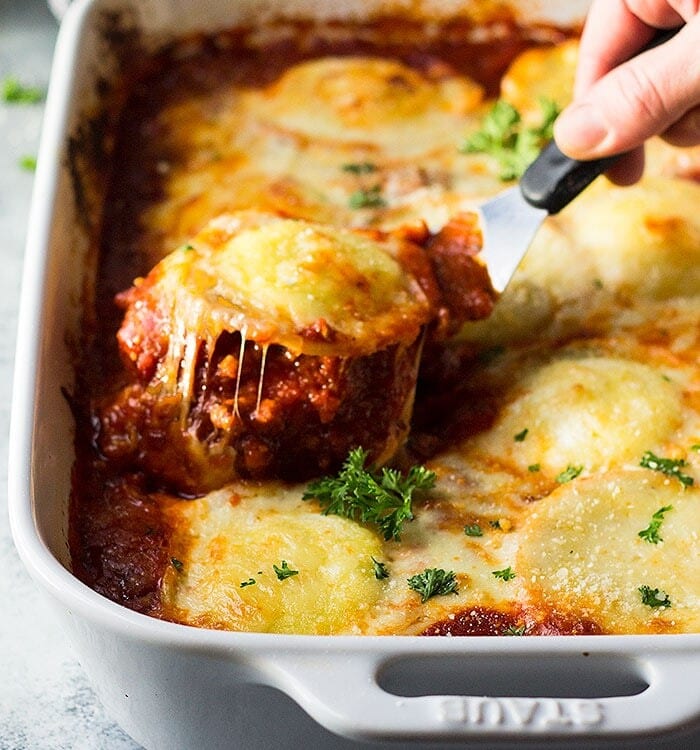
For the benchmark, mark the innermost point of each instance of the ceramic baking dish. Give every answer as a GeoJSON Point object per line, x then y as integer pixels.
{"type": "Point", "coordinates": [176, 687]}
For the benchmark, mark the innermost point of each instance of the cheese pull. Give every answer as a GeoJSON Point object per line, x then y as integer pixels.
{"type": "Point", "coordinates": [268, 347]}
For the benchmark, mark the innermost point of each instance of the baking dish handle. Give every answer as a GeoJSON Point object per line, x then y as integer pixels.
{"type": "Point", "coordinates": [346, 698]}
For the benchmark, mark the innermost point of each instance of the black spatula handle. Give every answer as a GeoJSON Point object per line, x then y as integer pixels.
{"type": "Point", "coordinates": [553, 180]}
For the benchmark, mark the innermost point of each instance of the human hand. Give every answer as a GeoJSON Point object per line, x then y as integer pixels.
{"type": "Point", "coordinates": [621, 100]}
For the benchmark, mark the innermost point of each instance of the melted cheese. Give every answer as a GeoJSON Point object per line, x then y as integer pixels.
{"type": "Point", "coordinates": [368, 102]}
{"type": "Point", "coordinates": [234, 539]}
{"type": "Point", "coordinates": [582, 551]}
{"type": "Point", "coordinates": [593, 412]}
{"type": "Point", "coordinates": [543, 72]}
{"type": "Point", "coordinates": [593, 355]}
{"type": "Point", "coordinates": [275, 279]}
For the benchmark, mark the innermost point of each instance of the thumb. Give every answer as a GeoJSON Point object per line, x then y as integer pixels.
{"type": "Point", "coordinates": [641, 98]}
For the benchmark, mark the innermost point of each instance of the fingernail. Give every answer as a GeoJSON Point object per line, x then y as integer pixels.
{"type": "Point", "coordinates": [580, 129]}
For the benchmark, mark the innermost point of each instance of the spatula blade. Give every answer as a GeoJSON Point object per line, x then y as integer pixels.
{"type": "Point", "coordinates": [508, 224]}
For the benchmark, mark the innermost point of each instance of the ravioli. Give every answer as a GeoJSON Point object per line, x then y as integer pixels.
{"type": "Point", "coordinates": [581, 551]}
{"type": "Point", "coordinates": [255, 558]}
{"type": "Point", "coordinates": [593, 412]}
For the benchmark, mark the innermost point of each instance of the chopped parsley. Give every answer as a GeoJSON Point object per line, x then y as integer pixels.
{"type": "Point", "coordinates": [433, 582]}
{"type": "Point", "coordinates": [284, 571]}
{"type": "Point", "coordinates": [533, 468]}
{"type": "Point", "coordinates": [571, 472]}
{"type": "Point", "coordinates": [380, 569]}
{"type": "Point", "coordinates": [651, 533]}
{"type": "Point", "coordinates": [513, 144]}
{"type": "Point", "coordinates": [487, 356]}
{"type": "Point", "coordinates": [28, 163]}
{"type": "Point", "coordinates": [177, 564]}
{"type": "Point", "coordinates": [249, 582]}
{"type": "Point", "coordinates": [473, 529]}
{"type": "Point", "coordinates": [521, 435]}
{"type": "Point", "coordinates": [383, 497]}
{"type": "Point", "coordinates": [506, 574]}
{"type": "Point", "coordinates": [654, 597]}
{"type": "Point", "coordinates": [669, 466]}
{"type": "Point", "coordinates": [369, 198]}
{"type": "Point", "coordinates": [363, 167]}
{"type": "Point", "coordinates": [15, 92]}
{"type": "Point", "coordinates": [495, 524]}
{"type": "Point", "coordinates": [514, 630]}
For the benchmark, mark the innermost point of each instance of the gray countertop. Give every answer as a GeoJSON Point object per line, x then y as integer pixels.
{"type": "Point", "coordinates": [46, 702]}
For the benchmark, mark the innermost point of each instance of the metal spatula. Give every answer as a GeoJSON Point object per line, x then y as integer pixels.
{"type": "Point", "coordinates": [552, 181]}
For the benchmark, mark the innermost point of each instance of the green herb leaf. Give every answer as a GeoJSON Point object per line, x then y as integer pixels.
{"type": "Point", "coordinates": [533, 468]}
{"type": "Point", "coordinates": [28, 163]}
{"type": "Point", "coordinates": [370, 198]}
{"type": "Point", "coordinates": [506, 574]}
{"type": "Point", "coordinates": [521, 435]}
{"type": "Point", "coordinates": [651, 533]}
{"type": "Point", "coordinates": [669, 466]}
{"type": "Point", "coordinates": [433, 582]}
{"type": "Point", "coordinates": [284, 571]}
{"type": "Point", "coordinates": [363, 167]}
{"type": "Point", "coordinates": [473, 530]}
{"type": "Point", "coordinates": [654, 597]}
{"type": "Point", "coordinates": [249, 582]}
{"type": "Point", "coordinates": [380, 569]}
{"type": "Point", "coordinates": [514, 630]}
{"type": "Point", "coordinates": [504, 136]}
{"type": "Point", "coordinates": [571, 472]}
{"type": "Point", "coordinates": [177, 564]}
{"type": "Point", "coordinates": [383, 498]}
{"type": "Point", "coordinates": [15, 92]}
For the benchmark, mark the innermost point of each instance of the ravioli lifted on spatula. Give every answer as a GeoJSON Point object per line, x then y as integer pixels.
{"type": "Point", "coordinates": [270, 346]}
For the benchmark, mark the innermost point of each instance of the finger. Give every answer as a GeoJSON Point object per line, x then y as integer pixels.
{"type": "Point", "coordinates": [686, 131]}
{"type": "Point", "coordinates": [616, 30]}
{"type": "Point", "coordinates": [636, 100]}
{"type": "Point", "coordinates": [629, 169]}
{"type": "Point", "coordinates": [611, 35]}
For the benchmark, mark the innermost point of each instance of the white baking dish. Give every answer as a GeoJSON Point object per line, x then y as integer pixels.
{"type": "Point", "coordinates": [176, 687]}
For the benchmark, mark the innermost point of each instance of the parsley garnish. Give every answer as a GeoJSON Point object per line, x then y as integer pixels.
{"type": "Point", "coordinates": [513, 144]}
{"type": "Point", "coordinates": [533, 467]}
{"type": "Point", "coordinates": [651, 533]}
{"type": "Point", "coordinates": [28, 163]}
{"type": "Point", "coordinates": [433, 582]}
{"type": "Point", "coordinates": [177, 564]}
{"type": "Point", "coordinates": [571, 472]}
{"type": "Point", "coordinates": [669, 466]}
{"type": "Point", "coordinates": [363, 167]}
{"type": "Point", "coordinates": [249, 582]}
{"type": "Point", "coordinates": [369, 198]}
{"type": "Point", "coordinates": [473, 529]}
{"type": "Point", "coordinates": [14, 92]}
{"type": "Point", "coordinates": [521, 435]}
{"type": "Point", "coordinates": [514, 630]}
{"type": "Point", "coordinates": [284, 571]}
{"type": "Point", "coordinates": [383, 498]}
{"type": "Point", "coordinates": [506, 574]}
{"type": "Point", "coordinates": [654, 597]}
{"type": "Point", "coordinates": [380, 569]}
